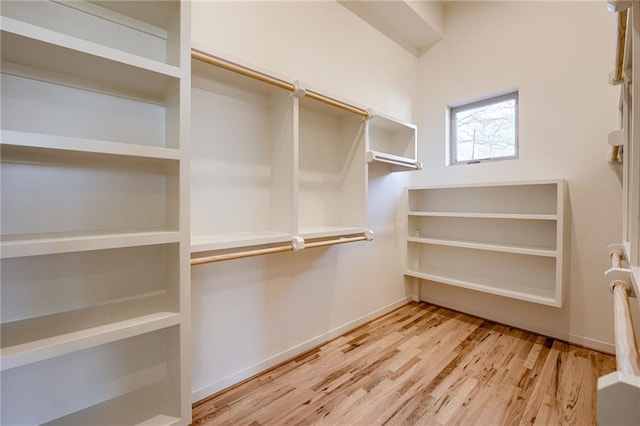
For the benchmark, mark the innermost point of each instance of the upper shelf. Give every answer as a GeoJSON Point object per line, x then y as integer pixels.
{"type": "Point", "coordinates": [521, 216]}
{"type": "Point", "coordinates": [521, 200]}
{"type": "Point", "coordinates": [393, 142]}
{"type": "Point", "coordinates": [150, 29]}
{"type": "Point", "coordinates": [46, 55]}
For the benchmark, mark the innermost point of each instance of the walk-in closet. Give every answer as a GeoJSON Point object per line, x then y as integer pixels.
{"type": "Point", "coordinates": [319, 212]}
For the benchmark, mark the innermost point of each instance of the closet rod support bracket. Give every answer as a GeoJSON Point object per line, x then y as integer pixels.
{"type": "Point", "coordinates": [299, 90]}
{"type": "Point", "coordinates": [297, 243]}
{"type": "Point", "coordinates": [370, 114]}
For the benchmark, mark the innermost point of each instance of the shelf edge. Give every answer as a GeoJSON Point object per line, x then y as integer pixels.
{"type": "Point", "coordinates": [44, 246]}
{"type": "Point", "coordinates": [44, 35]}
{"type": "Point", "coordinates": [518, 216]}
{"type": "Point", "coordinates": [85, 145]}
{"type": "Point", "coordinates": [504, 248]}
{"type": "Point", "coordinates": [43, 349]}
{"type": "Point", "coordinates": [528, 297]}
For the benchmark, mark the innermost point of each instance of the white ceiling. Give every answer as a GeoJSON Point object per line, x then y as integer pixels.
{"type": "Point", "coordinates": [414, 25]}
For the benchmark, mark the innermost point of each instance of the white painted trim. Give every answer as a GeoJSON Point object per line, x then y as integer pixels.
{"type": "Point", "coordinates": [594, 344]}
{"type": "Point", "coordinates": [288, 354]}
{"type": "Point", "coordinates": [482, 184]}
{"type": "Point", "coordinates": [521, 216]}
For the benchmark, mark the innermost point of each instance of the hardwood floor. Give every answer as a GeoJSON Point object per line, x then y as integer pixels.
{"type": "Point", "coordinates": [421, 365]}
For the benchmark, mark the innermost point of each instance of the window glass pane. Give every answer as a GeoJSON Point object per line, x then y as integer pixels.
{"type": "Point", "coordinates": [487, 131]}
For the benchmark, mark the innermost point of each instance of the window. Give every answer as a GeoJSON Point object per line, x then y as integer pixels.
{"type": "Point", "coordinates": [485, 130]}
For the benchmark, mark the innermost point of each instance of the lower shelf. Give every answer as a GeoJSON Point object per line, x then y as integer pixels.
{"type": "Point", "coordinates": [140, 407]}
{"type": "Point", "coordinates": [40, 338]}
{"type": "Point", "coordinates": [128, 381]}
{"type": "Point", "coordinates": [489, 286]}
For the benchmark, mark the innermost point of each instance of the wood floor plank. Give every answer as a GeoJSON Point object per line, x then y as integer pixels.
{"type": "Point", "coordinates": [421, 364]}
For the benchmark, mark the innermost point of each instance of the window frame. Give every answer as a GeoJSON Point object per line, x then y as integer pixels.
{"type": "Point", "coordinates": [493, 99]}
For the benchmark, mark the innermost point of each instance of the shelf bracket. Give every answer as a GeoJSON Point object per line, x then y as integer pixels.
{"type": "Point", "coordinates": [299, 91]}
{"type": "Point", "coordinates": [617, 274]}
{"type": "Point", "coordinates": [298, 243]}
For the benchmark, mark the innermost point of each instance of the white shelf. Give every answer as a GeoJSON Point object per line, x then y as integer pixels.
{"type": "Point", "coordinates": [392, 141]}
{"type": "Point", "coordinates": [42, 54]}
{"type": "Point", "coordinates": [499, 238]}
{"type": "Point", "coordinates": [329, 231]}
{"type": "Point", "coordinates": [95, 99]}
{"type": "Point", "coordinates": [203, 243]}
{"type": "Point", "coordinates": [519, 216]}
{"type": "Point", "coordinates": [148, 31]}
{"type": "Point", "coordinates": [282, 165]}
{"type": "Point", "coordinates": [33, 145]}
{"type": "Point", "coordinates": [489, 185]}
{"type": "Point", "coordinates": [489, 286]}
{"type": "Point", "coordinates": [36, 339]}
{"type": "Point", "coordinates": [140, 407]}
{"type": "Point", "coordinates": [395, 160]}
{"type": "Point", "coordinates": [242, 156]}
{"type": "Point", "coordinates": [534, 251]}
{"type": "Point", "coordinates": [41, 244]}
{"type": "Point", "coordinates": [331, 173]}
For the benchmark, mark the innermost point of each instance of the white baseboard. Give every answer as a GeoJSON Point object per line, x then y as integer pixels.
{"type": "Point", "coordinates": [596, 345]}
{"type": "Point", "coordinates": [281, 357]}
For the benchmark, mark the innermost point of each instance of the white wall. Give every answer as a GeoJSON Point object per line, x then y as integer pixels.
{"type": "Point", "coordinates": [253, 313]}
{"type": "Point", "coordinates": [558, 54]}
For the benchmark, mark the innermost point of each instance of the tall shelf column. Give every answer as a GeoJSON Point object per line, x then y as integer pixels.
{"type": "Point", "coordinates": [94, 223]}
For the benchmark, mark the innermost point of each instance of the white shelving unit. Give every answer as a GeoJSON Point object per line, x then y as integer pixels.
{"type": "Point", "coordinates": [94, 220]}
{"type": "Point", "coordinates": [270, 164]}
{"type": "Point", "coordinates": [503, 238]}
{"type": "Point", "coordinates": [241, 161]}
{"type": "Point", "coordinates": [393, 142]}
{"type": "Point", "coordinates": [331, 176]}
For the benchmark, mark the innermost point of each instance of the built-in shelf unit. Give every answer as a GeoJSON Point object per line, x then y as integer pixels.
{"type": "Point", "coordinates": [94, 234]}
{"type": "Point", "coordinates": [274, 164]}
{"type": "Point", "coordinates": [502, 238]}
{"type": "Point", "coordinates": [242, 187]}
{"type": "Point", "coordinates": [331, 173]}
{"type": "Point", "coordinates": [393, 142]}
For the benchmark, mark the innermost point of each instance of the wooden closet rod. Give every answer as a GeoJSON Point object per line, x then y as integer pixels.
{"type": "Point", "coordinates": [333, 102]}
{"type": "Point", "coordinates": [240, 255]}
{"type": "Point", "coordinates": [626, 349]}
{"type": "Point", "coordinates": [247, 72]}
{"type": "Point", "coordinates": [625, 341]}
{"type": "Point", "coordinates": [281, 249]}
{"type": "Point", "coordinates": [239, 69]}
{"type": "Point", "coordinates": [616, 259]}
{"type": "Point", "coordinates": [620, 45]}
